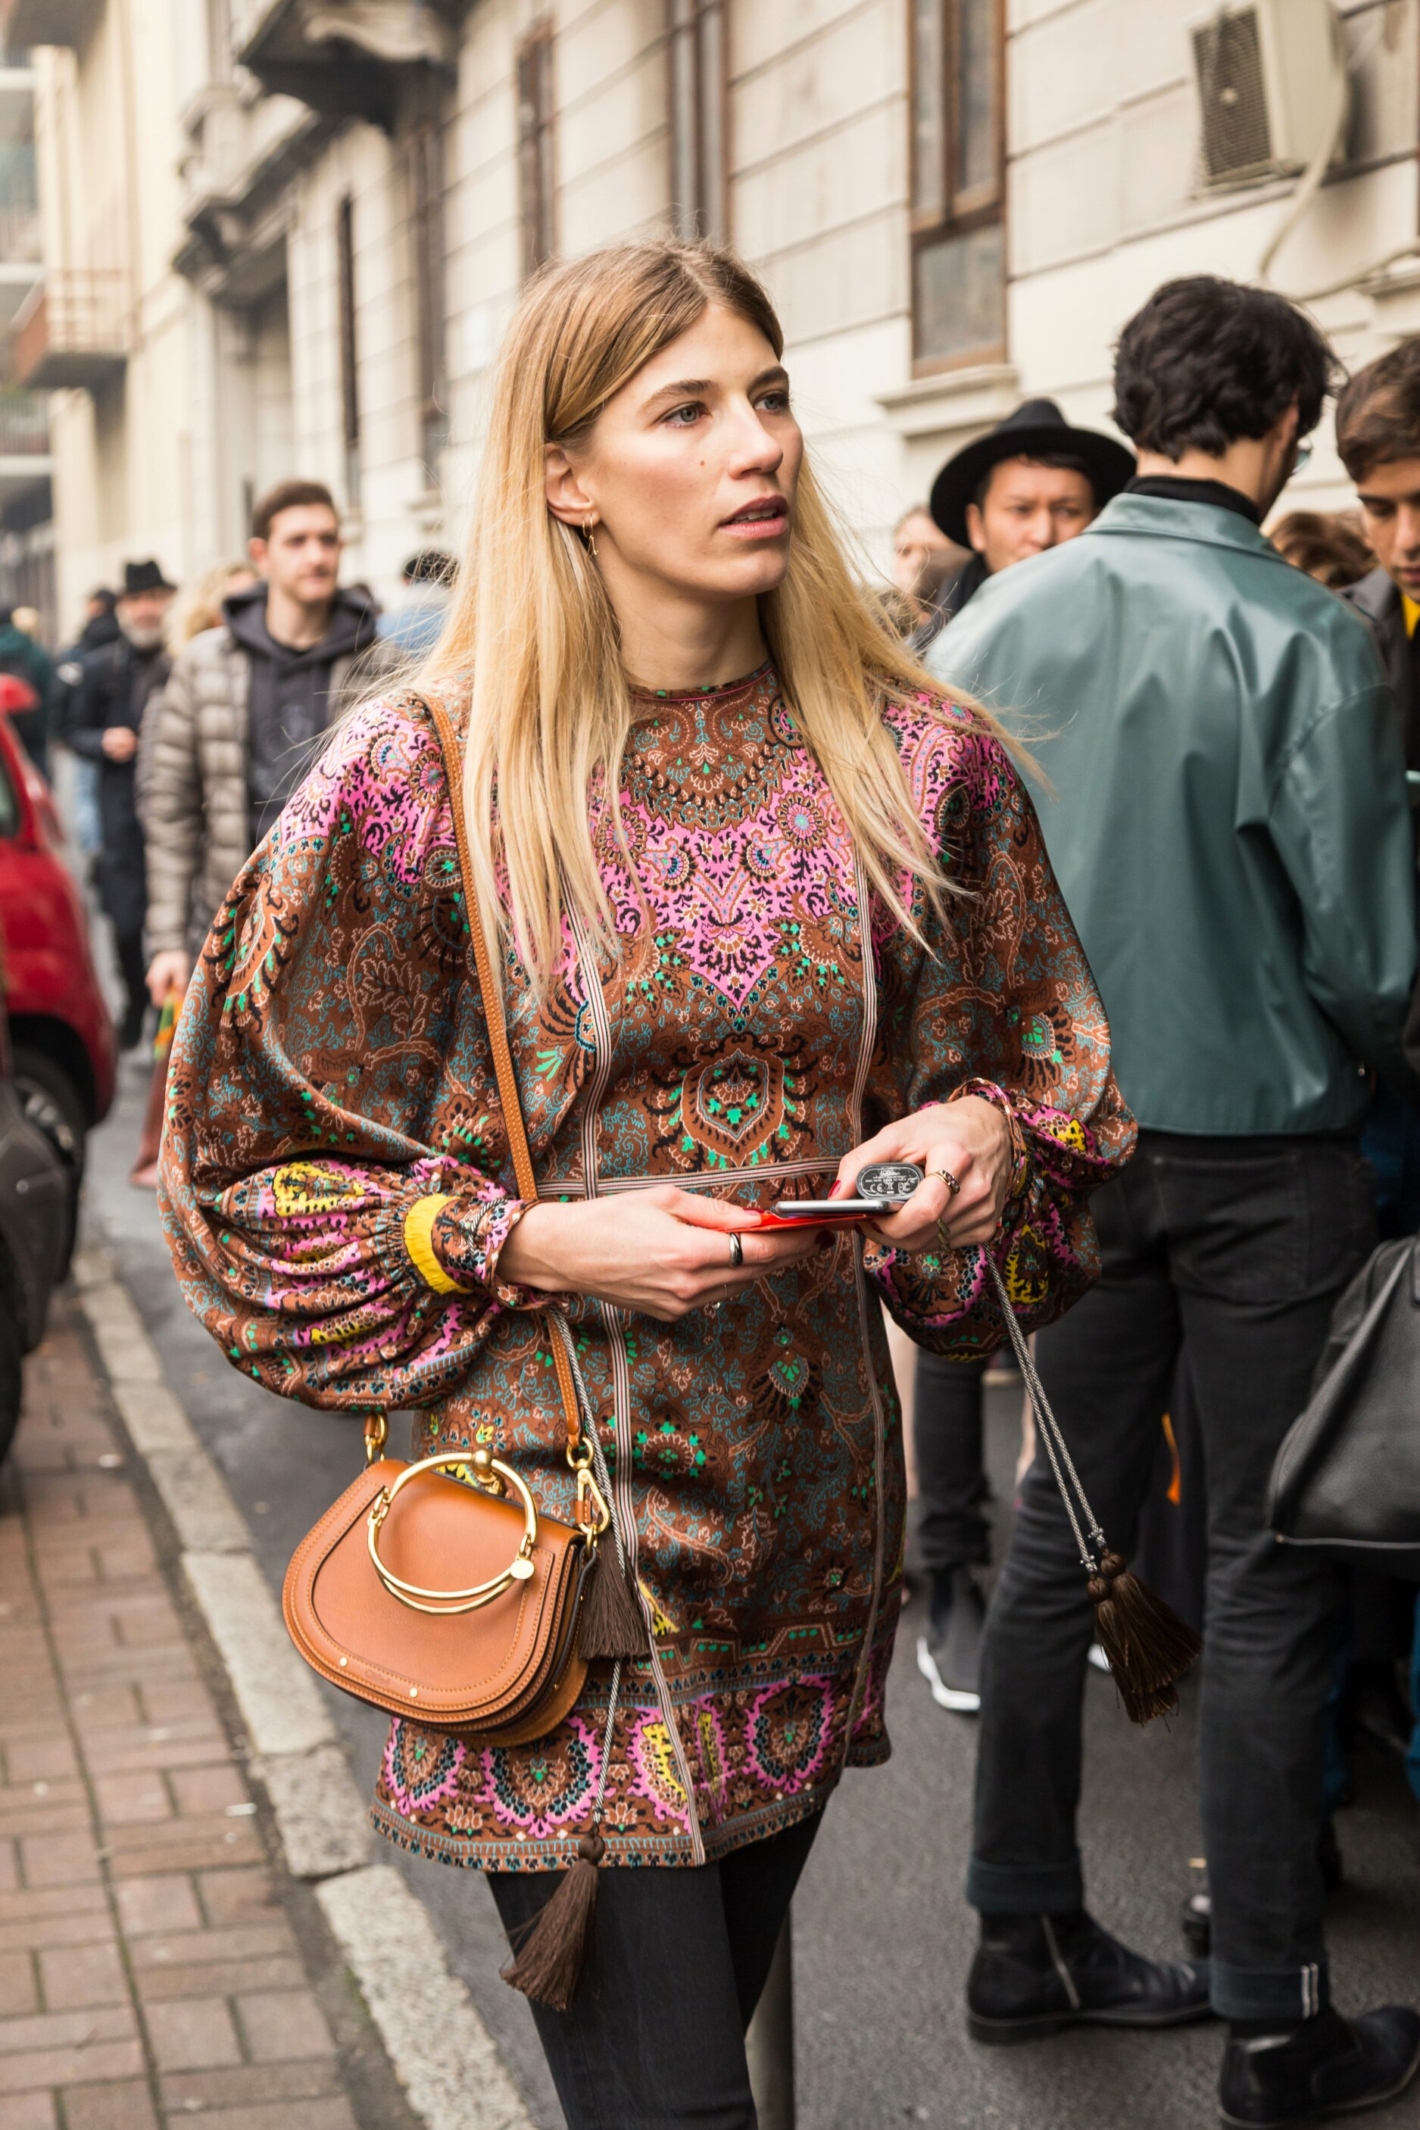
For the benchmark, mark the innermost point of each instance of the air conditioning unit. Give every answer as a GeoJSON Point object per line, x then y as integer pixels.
{"type": "Point", "coordinates": [1266, 73]}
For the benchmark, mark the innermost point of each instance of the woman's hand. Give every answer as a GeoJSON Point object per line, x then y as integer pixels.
{"type": "Point", "coordinates": [661, 1252]}
{"type": "Point", "coordinates": [969, 1140]}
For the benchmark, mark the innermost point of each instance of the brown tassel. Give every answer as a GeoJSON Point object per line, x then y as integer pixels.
{"type": "Point", "coordinates": [552, 1948]}
{"type": "Point", "coordinates": [1148, 1646]}
{"type": "Point", "coordinates": [612, 1624]}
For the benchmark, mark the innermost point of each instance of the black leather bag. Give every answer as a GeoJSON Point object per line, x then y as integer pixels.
{"type": "Point", "coordinates": [1347, 1478]}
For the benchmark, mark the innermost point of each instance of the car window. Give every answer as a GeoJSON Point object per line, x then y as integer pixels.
{"type": "Point", "coordinates": [9, 804]}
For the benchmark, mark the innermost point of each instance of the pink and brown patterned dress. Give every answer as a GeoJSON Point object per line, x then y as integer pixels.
{"type": "Point", "coordinates": [336, 1188]}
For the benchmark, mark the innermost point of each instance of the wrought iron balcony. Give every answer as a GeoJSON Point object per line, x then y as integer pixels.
{"type": "Point", "coordinates": [73, 330]}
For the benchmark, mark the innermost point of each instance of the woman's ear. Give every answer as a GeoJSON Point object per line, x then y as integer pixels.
{"type": "Point", "coordinates": [566, 497]}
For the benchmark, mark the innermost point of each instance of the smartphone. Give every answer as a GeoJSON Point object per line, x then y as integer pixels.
{"type": "Point", "coordinates": [885, 1185]}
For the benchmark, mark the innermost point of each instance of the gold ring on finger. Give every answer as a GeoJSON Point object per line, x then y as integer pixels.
{"type": "Point", "coordinates": [948, 1179]}
{"type": "Point", "coordinates": [942, 1236]}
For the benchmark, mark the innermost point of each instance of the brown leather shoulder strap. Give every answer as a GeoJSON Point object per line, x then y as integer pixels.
{"type": "Point", "coordinates": [491, 987]}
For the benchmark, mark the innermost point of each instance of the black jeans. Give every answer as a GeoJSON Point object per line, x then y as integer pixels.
{"type": "Point", "coordinates": [1229, 1254]}
{"type": "Point", "coordinates": [951, 1471]}
{"type": "Point", "coordinates": [655, 2035]}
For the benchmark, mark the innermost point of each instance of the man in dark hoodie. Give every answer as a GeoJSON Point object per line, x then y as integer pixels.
{"type": "Point", "coordinates": [241, 719]}
{"type": "Point", "coordinates": [102, 719]}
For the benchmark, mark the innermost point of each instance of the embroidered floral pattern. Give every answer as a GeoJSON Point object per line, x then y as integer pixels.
{"type": "Point", "coordinates": [332, 1068]}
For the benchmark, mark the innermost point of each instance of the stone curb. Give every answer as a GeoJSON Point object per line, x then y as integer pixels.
{"type": "Point", "coordinates": [441, 2052]}
{"type": "Point", "coordinates": [455, 2079]}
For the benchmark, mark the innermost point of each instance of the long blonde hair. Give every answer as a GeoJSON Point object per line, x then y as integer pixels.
{"type": "Point", "coordinates": [532, 637]}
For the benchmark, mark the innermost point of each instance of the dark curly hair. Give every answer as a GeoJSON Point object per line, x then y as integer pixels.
{"type": "Point", "coordinates": [1208, 361]}
{"type": "Point", "coordinates": [1378, 415]}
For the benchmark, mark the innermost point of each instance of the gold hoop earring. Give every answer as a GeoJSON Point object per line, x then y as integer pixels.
{"type": "Point", "coordinates": [587, 526]}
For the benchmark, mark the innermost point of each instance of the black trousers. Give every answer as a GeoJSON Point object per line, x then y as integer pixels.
{"type": "Point", "coordinates": [951, 1471]}
{"type": "Point", "coordinates": [654, 2039]}
{"type": "Point", "coordinates": [1228, 1254]}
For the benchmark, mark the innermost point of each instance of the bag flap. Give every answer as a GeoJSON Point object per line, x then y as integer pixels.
{"type": "Point", "coordinates": [440, 1535]}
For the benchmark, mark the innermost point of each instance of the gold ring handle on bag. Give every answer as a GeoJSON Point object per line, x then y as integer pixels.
{"type": "Point", "coordinates": [519, 1568]}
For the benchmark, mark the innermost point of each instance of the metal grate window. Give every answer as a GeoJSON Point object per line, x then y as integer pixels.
{"type": "Point", "coordinates": [1236, 137]}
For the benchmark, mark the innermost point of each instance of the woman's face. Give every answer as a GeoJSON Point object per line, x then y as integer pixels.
{"type": "Point", "coordinates": [689, 473]}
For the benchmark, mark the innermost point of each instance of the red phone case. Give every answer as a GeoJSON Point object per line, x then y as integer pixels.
{"type": "Point", "coordinates": [814, 1220]}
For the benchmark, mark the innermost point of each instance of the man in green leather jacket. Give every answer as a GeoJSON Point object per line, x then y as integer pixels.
{"type": "Point", "coordinates": [1223, 795]}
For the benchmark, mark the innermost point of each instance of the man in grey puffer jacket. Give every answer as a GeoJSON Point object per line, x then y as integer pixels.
{"type": "Point", "coordinates": [241, 718]}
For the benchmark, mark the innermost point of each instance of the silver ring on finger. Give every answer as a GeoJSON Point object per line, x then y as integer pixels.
{"type": "Point", "coordinates": [737, 1251]}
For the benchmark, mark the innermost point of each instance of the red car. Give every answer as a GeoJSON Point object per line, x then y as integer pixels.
{"type": "Point", "coordinates": [63, 1049]}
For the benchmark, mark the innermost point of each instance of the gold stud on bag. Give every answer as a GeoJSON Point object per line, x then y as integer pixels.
{"type": "Point", "coordinates": [457, 1599]}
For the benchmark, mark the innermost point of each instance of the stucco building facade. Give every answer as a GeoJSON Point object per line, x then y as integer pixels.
{"type": "Point", "coordinates": [286, 235]}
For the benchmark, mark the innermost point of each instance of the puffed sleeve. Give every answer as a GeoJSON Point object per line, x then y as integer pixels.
{"type": "Point", "coordinates": [335, 1184]}
{"type": "Point", "coordinates": [1001, 1004]}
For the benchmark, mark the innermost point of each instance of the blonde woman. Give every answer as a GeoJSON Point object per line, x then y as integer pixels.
{"type": "Point", "coordinates": [198, 605]}
{"type": "Point", "coordinates": [771, 909]}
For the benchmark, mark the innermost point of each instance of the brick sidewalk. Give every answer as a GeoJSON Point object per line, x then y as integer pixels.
{"type": "Point", "coordinates": [149, 1972]}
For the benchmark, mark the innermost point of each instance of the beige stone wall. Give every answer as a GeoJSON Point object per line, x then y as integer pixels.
{"type": "Point", "coordinates": [1103, 203]}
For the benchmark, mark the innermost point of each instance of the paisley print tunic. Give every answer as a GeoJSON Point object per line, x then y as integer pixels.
{"type": "Point", "coordinates": [332, 1074]}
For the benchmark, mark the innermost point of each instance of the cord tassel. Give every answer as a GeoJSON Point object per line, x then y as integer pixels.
{"type": "Point", "coordinates": [553, 1947]}
{"type": "Point", "coordinates": [612, 1623]}
{"type": "Point", "coordinates": [1148, 1645]}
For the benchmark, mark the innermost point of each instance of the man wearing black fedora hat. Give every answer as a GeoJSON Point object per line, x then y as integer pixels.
{"type": "Point", "coordinates": [1028, 484]}
{"type": "Point", "coordinates": [102, 719]}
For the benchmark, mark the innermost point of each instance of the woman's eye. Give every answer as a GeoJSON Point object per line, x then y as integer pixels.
{"type": "Point", "coordinates": [776, 402]}
{"type": "Point", "coordinates": [684, 417]}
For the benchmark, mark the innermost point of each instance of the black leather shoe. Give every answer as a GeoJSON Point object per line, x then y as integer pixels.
{"type": "Point", "coordinates": [1328, 2066]}
{"type": "Point", "coordinates": [1036, 1975]}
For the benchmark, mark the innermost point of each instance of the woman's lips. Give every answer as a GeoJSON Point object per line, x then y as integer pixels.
{"type": "Point", "coordinates": [770, 520]}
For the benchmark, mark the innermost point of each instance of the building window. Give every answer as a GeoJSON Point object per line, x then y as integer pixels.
{"type": "Point", "coordinates": [536, 172]}
{"type": "Point", "coordinates": [958, 181]}
{"type": "Point", "coordinates": [349, 365]}
{"type": "Point", "coordinates": [426, 172]}
{"type": "Point", "coordinates": [698, 97]}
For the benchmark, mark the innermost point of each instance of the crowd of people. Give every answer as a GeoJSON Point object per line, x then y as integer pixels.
{"type": "Point", "coordinates": [1169, 973]}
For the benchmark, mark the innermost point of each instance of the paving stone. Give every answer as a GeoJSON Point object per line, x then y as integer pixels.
{"type": "Point", "coordinates": [238, 1896]}
{"type": "Point", "coordinates": [27, 2111]}
{"type": "Point", "coordinates": [190, 2092]}
{"type": "Point", "coordinates": [72, 1976]}
{"type": "Point", "coordinates": [122, 2107]}
{"type": "Point", "coordinates": [126, 1800]}
{"type": "Point", "coordinates": [54, 2068]}
{"type": "Point", "coordinates": [333, 2114]}
{"type": "Point", "coordinates": [281, 2026]}
{"type": "Point", "coordinates": [40, 1760]}
{"type": "Point", "coordinates": [58, 1860]}
{"type": "Point", "coordinates": [19, 1990]}
{"type": "Point", "coordinates": [161, 1903]}
{"type": "Point", "coordinates": [191, 2034]}
{"type": "Point", "coordinates": [209, 1789]}
{"type": "Point", "coordinates": [63, 2030]}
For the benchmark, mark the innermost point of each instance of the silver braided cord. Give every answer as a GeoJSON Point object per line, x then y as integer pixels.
{"type": "Point", "coordinates": [1056, 1447]}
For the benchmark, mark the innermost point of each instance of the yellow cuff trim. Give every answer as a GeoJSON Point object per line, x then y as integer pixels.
{"type": "Point", "coordinates": [419, 1242]}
